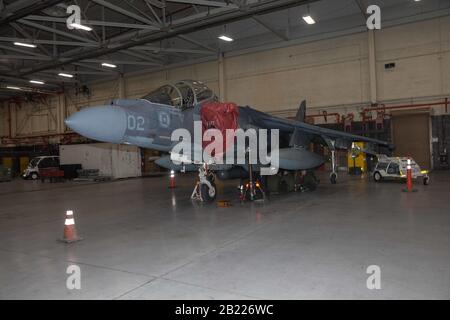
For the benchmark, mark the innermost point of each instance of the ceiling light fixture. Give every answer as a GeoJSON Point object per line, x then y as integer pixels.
{"type": "Point", "coordinates": [13, 88]}
{"type": "Point", "coordinates": [109, 65]}
{"type": "Point", "coordinates": [37, 81]}
{"type": "Point", "coordinates": [307, 17]}
{"type": "Point", "coordinates": [225, 38]}
{"type": "Point", "coordinates": [65, 75]}
{"type": "Point", "coordinates": [81, 27]}
{"type": "Point", "coordinates": [309, 20]}
{"type": "Point", "coordinates": [23, 44]}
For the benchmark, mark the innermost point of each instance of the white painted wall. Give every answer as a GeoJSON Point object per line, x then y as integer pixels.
{"type": "Point", "coordinates": [330, 74]}
{"type": "Point", "coordinates": [117, 161]}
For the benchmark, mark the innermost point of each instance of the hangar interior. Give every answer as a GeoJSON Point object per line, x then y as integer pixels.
{"type": "Point", "coordinates": [143, 240]}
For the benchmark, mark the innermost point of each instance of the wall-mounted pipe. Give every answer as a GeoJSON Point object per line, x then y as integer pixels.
{"type": "Point", "coordinates": [325, 115]}
{"type": "Point", "coordinates": [407, 106]}
{"type": "Point", "coordinates": [381, 108]}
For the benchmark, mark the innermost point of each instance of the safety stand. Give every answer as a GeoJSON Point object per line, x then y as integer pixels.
{"type": "Point", "coordinates": [196, 194]}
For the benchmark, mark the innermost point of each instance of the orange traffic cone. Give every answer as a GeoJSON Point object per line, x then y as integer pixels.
{"type": "Point", "coordinates": [70, 233]}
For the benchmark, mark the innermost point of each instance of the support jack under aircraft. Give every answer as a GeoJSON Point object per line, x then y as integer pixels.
{"type": "Point", "coordinates": [149, 122]}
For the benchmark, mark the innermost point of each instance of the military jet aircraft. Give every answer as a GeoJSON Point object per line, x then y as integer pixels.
{"type": "Point", "coordinates": [149, 122]}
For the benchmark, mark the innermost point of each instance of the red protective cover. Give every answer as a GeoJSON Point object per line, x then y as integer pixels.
{"type": "Point", "coordinates": [221, 116]}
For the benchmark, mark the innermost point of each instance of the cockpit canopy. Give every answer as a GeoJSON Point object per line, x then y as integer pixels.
{"type": "Point", "coordinates": [182, 94]}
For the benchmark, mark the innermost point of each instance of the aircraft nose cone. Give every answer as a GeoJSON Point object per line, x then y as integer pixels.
{"type": "Point", "coordinates": [103, 123]}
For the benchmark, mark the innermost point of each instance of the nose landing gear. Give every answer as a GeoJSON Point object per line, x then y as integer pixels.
{"type": "Point", "coordinates": [205, 189]}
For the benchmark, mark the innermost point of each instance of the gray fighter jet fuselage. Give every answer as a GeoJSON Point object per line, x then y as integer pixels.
{"type": "Point", "coordinates": [150, 121]}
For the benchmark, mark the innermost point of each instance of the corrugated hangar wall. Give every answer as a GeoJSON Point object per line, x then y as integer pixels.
{"type": "Point", "coordinates": [331, 74]}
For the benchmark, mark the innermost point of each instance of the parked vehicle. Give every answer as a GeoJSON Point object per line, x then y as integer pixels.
{"type": "Point", "coordinates": [32, 171]}
{"type": "Point", "coordinates": [395, 168]}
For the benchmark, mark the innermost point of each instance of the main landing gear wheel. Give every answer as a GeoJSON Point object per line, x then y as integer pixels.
{"type": "Point", "coordinates": [208, 193]}
{"type": "Point", "coordinates": [377, 176]}
{"type": "Point", "coordinates": [258, 193]}
{"type": "Point", "coordinates": [426, 181]}
{"type": "Point", "coordinates": [333, 178]}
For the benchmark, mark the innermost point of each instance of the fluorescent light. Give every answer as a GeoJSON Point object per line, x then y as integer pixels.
{"type": "Point", "coordinates": [66, 75]}
{"type": "Point", "coordinates": [309, 19]}
{"type": "Point", "coordinates": [23, 44]}
{"type": "Point", "coordinates": [13, 88]}
{"type": "Point", "coordinates": [109, 65]}
{"type": "Point", "coordinates": [81, 27]}
{"type": "Point", "coordinates": [37, 81]}
{"type": "Point", "coordinates": [225, 38]}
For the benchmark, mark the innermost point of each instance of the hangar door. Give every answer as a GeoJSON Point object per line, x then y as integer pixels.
{"type": "Point", "coordinates": [411, 136]}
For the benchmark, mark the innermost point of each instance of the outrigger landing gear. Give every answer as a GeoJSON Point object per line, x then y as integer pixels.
{"type": "Point", "coordinates": [205, 189]}
{"type": "Point", "coordinates": [251, 190]}
{"type": "Point", "coordinates": [333, 174]}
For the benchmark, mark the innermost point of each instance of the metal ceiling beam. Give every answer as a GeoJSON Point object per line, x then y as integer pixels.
{"type": "Point", "coordinates": [156, 3]}
{"type": "Point", "coordinates": [197, 43]}
{"type": "Point", "coordinates": [136, 63]}
{"type": "Point", "coordinates": [53, 30]}
{"type": "Point", "coordinates": [25, 34]}
{"type": "Point", "coordinates": [175, 50]}
{"type": "Point", "coordinates": [49, 79]}
{"type": "Point", "coordinates": [88, 66]}
{"type": "Point", "coordinates": [123, 11]}
{"type": "Point", "coordinates": [362, 5]}
{"type": "Point", "coordinates": [24, 51]}
{"type": "Point", "coordinates": [22, 8]}
{"type": "Point", "coordinates": [77, 72]}
{"type": "Point", "coordinates": [4, 77]}
{"type": "Point", "coordinates": [139, 55]}
{"type": "Point", "coordinates": [94, 23]}
{"type": "Point", "coordinates": [206, 3]}
{"type": "Point", "coordinates": [145, 15]}
{"type": "Point", "coordinates": [51, 42]}
{"type": "Point", "coordinates": [271, 29]}
{"type": "Point", "coordinates": [215, 18]}
{"type": "Point", "coordinates": [28, 57]}
{"type": "Point", "coordinates": [150, 6]}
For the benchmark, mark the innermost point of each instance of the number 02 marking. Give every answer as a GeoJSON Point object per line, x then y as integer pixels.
{"type": "Point", "coordinates": [136, 123]}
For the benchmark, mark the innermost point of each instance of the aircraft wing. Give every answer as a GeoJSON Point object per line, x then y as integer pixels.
{"type": "Point", "coordinates": [342, 139]}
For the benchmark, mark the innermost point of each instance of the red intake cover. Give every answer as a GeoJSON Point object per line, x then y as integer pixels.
{"type": "Point", "coordinates": [221, 116]}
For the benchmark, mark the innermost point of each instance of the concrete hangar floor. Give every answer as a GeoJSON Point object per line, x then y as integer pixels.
{"type": "Point", "coordinates": [145, 241]}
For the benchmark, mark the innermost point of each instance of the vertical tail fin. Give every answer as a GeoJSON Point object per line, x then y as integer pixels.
{"type": "Point", "coordinates": [298, 138]}
{"type": "Point", "coordinates": [301, 113]}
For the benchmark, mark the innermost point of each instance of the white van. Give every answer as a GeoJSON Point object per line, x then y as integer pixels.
{"type": "Point", "coordinates": [32, 171]}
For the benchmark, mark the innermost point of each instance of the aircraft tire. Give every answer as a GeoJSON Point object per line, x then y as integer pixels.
{"type": "Point", "coordinates": [426, 181]}
{"type": "Point", "coordinates": [258, 195]}
{"type": "Point", "coordinates": [310, 181]}
{"type": "Point", "coordinates": [333, 178]}
{"type": "Point", "coordinates": [207, 194]}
